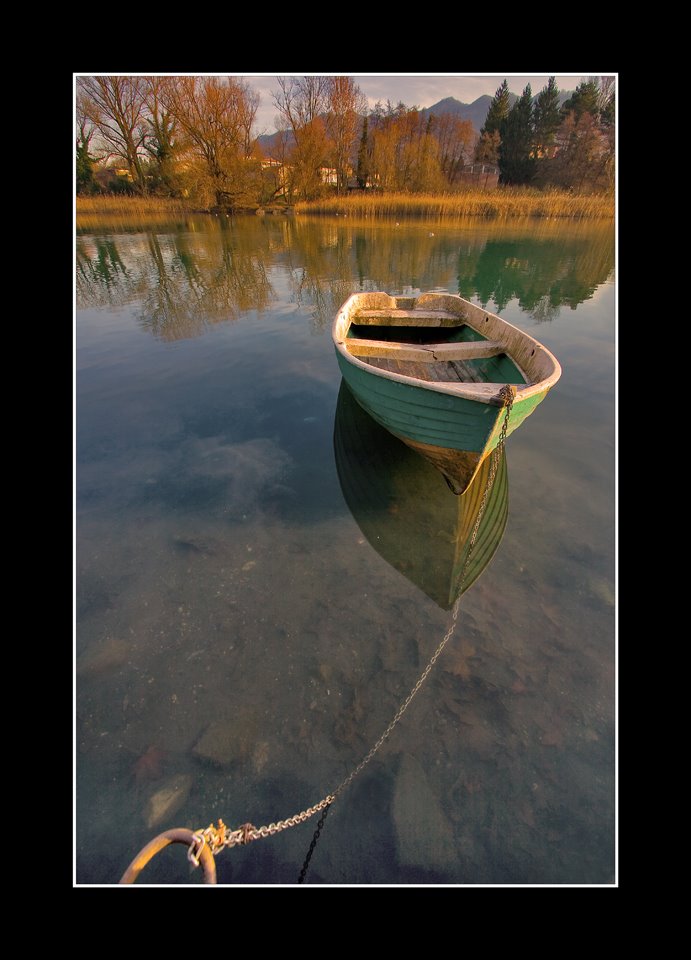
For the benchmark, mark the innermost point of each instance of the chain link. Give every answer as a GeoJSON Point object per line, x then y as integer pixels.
{"type": "Point", "coordinates": [219, 837]}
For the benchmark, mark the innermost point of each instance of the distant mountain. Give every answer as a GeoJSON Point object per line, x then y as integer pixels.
{"type": "Point", "coordinates": [269, 141]}
{"type": "Point", "coordinates": [475, 111]}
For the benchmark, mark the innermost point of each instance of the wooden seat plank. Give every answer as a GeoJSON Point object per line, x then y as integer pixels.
{"type": "Point", "coordinates": [427, 352]}
{"type": "Point", "coordinates": [407, 318]}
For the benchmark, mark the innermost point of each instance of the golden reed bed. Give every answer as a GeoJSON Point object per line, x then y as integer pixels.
{"type": "Point", "coordinates": [99, 211]}
{"type": "Point", "coordinates": [499, 203]}
{"type": "Point", "coordinates": [491, 204]}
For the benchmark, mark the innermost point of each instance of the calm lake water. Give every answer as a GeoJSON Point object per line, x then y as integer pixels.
{"type": "Point", "coordinates": [254, 565]}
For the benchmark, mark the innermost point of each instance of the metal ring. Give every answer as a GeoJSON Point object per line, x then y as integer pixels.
{"type": "Point", "coordinates": [180, 835]}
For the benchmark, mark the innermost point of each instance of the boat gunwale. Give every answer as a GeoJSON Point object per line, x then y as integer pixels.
{"type": "Point", "coordinates": [487, 392]}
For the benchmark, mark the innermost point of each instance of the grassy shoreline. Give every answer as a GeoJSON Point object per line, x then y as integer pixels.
{"type": "Point", "coordinates": [502, 203]}
{"type": "Point", "coordinates": [490, 204]}
{"type": "Point", "coordinates": [96, 211]}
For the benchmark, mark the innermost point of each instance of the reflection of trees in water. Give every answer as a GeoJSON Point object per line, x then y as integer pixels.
{"type": "Point", "coordinates": [204, 278]}
{"type": "Point", "coordinates": [542, 273]}
{"type": "Point", "coordinates": [329, 261]}
{"type": "Point", "coordinates": [100, 271]}
{"type": "Point", "coordinates": [544, 311]}
{"type": "Point", "coordinates": [563, 265]}
{"type": "Point", "coordinates": [321, 299]}
{"type": "Point", "coordinates": [215, 270]}
{"type": "Point", "coordinates": [320, 263]}
{"type": "Point", "coordinates": [184, 281]}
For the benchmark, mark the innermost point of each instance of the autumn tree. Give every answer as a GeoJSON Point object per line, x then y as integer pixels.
{"type": "Point", "coordinates": [212, 113]}
{"type": "Point", "coordinates": [345, 104]}
{"type": "Point", "coordinates": [585, 156]}
{"type": "Point", "coordinates": [306, 161]}
{"type": "Point", "coordinates": [405, 150]}
{"type": "Point", "coordinates": [414, 152]}
{"type": "Point", "coordinates": [383, 150]}
{"type": "Point", "coordinates": [301, 101]}
{"type": "Point", "coordinates": [487, 148]}
{"type": "Point", "coordinates": [116, 106]}
{"type": "Point", "coordinates": [456, 140]}
{"type": "Point", "coordinates": [391, 158]}
{"type": "Point", "coordinates": [428, 176]}
{"type": "Point", "coordinates": [585, 140]}
{"type": "Point", "coordinates": [419, 155]}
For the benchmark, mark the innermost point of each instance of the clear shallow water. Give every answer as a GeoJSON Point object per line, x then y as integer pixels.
{"type": "Point", "coordinates": [237, 630]}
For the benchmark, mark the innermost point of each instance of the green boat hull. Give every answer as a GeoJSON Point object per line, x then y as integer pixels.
{"type": "Point", "coordinates": [456, 434]}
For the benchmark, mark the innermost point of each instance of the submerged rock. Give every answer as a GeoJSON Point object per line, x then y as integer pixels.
{"type": "Point", "coordinates": [149, 766]}
{"type": "Point", "coordinates": [167, 800]}
{"type": "Point", "coordinates": [102, 657]}
{"type": "Point", "coordinates": [603, 590]}
{"type": "Point", "coordinates": [423, 832]}
{"type": "Point", "coordinates": [222, 743]}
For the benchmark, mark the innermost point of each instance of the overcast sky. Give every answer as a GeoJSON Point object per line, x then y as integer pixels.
{"type": "Point", "coordinates": [417, 89]}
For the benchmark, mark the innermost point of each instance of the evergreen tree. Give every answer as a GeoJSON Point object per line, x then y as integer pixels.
{"type": "Point", "coordinates": [516, 150]}
{"type": "Point", "coordinates": [85, 163]}
{"type": "Point", "coordinates": [487, 148]}
{"type": "Point", "coordinates": [546, 119]}
{"type": "Point", "coordinates": [607, 102]}
{"type": "Point", "coordinates": [585, 99]}
{"type": "Point", "coordinates": [161, 151]}
{"type": "Point", "coordinates": [498, 109]}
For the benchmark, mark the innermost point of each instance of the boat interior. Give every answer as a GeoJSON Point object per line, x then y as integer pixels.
{"type": "Point", "coordinates": [433, 345]}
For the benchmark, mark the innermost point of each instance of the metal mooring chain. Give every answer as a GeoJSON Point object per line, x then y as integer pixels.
{"type": "Point", "coordinates": [317, 832]}
{"type": "Point", "coordinates": [216, 838]}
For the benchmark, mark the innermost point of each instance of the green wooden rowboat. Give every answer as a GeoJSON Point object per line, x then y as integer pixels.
{"type": "Point", "coordinates": [431, 369]}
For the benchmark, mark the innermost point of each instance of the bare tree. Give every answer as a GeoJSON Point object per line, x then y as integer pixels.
{"type": "Point", "coordinates": [247, 113]}
{"type": "Point", "coordinates": [346, 103]}
{"type": "Point", "coordinates": [116, 106]}
{"type": "Point", "coordinates": [300, 100]}
{"type": "Point", "coordinates": [216, 115]}
{"type": "Point", "coordinates": [456, 140]}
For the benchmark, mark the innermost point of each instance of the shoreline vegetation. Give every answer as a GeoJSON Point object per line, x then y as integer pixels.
{"type": "Point", "coordinates": [500, 203]}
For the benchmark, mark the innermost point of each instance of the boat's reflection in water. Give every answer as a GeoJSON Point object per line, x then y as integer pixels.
{"type": "Point", "coordinates": [407, 512]}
